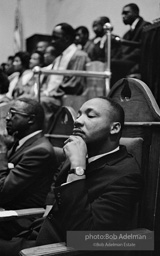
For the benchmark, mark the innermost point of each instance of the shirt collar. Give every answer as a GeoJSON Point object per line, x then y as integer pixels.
{"type": "Point", "coordinates": [134, 24]}
{"type": "Point", "coordinates": [71, 48]}
{"type": "Point", "coordinates": [93, 158]}
{"type": "Point", "coordinates": [23, 140]}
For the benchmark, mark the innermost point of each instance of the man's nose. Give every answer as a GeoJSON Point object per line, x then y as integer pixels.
{"type": "Point", "coordinates": [8, 118]}
{"type": "Point", "coordinates": [79, 121]}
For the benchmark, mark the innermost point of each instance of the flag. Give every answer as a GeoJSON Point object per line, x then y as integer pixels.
{"type": "Point", "coordinates": [18, 33]}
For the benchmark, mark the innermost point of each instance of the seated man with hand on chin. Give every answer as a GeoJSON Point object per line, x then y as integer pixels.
{"type": "Point", "coordinates": [98, 185]}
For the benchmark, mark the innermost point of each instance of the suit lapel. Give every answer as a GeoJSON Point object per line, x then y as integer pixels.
{"type": "Point", "coordinates": [138, 28]}
{"type": "Point", "coordinates": [24, 146]}
{"type": "Point", "coordinates": [110, 159]}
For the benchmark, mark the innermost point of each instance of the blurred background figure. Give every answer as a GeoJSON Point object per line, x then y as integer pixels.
{"type": "Point", "coordinates": [41, 46]}
{"type": "Point", "coordinates": [20, 77]}
{"type": "Point", "coordinates": [3, 67]}
{"type": "Point", "coordinates": [10, 67]}
{"type": "Point", "coordinates": [49, 55]}
{"type": "Point", "coordinates": [99, 39]}
{"type": "Point", "coordinates": [36, 59]}
{"type": "Point", "coordinates": [83, 42]}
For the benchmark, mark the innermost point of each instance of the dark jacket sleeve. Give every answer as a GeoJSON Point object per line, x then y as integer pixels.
{"type": "Point", "coordinates": [112, 210]}
{"type": "Point", "coordinates": [22, 175]}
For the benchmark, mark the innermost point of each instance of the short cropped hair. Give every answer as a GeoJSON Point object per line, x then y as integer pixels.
{"type": "Point", "coordinates": [68, 30]}
{"type": "Point", "coordinates": [117, 111]}
{"type": "Point", "coordinates": [34, 108]}
{"type": "Point", "coordinates": [134, 8]}
{"type": "Point", "coordinates": [84, 30]}
{"type": "Point", "coordinates": [104, 19]}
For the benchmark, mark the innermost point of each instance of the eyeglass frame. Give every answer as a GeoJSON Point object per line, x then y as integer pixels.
{"type": "Point", "coordinates": [12, 111]}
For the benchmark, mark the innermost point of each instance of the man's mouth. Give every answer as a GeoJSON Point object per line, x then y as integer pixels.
{"type": "Point", "coordinates": [8, 127]}
{"type": "Point", "coordinates": [78, 132]}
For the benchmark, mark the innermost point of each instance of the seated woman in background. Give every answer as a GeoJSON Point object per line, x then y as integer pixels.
{"type": "Point", "coordinates": [21, 76]}
{"type": "Point", "coordinates": [30, 89]}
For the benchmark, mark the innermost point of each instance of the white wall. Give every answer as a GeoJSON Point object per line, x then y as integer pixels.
{"type": "Point", "coordinates": [40, 16]}
{"type": "Point", "coordinates": [83, 12]}
{"type": "Point", "coordinates": [33, 18]}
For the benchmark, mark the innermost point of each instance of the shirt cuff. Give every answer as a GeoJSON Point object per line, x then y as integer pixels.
{"type": "Point", "coordinates": [73, 177]}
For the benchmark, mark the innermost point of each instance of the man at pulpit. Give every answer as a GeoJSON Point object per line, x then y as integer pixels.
{"type": "Point", "coordinates": [127, 59]}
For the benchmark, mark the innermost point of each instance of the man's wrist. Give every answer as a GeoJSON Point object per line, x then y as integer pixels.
{"type": "Point", "coordinates": [80, 171]}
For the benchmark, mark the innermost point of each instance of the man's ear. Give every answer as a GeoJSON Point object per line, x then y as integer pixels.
{"type": "Point", "coordinates": [115, 128]}
{"type": "Point", "coordinates": [31, 119]}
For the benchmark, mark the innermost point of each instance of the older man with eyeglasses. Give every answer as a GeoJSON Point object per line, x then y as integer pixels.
{"type": "Point", "coordinates": [31, 159]}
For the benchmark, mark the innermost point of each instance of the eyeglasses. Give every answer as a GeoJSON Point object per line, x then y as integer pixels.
{"type": "Point", "coordinates": [12, 112]}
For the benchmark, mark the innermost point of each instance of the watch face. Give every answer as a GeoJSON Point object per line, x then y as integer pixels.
{"type": "Point", "coordinates": [79, 171]}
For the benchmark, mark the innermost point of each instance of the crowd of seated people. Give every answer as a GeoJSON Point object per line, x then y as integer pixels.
{"type": "Point", "coordinates": [70, 49]}
{"type": "Point", "coordinates": [20, 77]}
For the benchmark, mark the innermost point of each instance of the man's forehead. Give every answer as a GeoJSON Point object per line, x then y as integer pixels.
{"type": "Point", "coordinates": [20, 105]}
{"type": "Point", "coordinates": [97, 22]}
{"type": "Point", "coordinates": [57, 29]}
{"type": "Point", "coordinates": [96, 104]}
{"type": "Point", "coordinates": [126, 9]}
{"type": "Point", "coordinates": [42, 44]}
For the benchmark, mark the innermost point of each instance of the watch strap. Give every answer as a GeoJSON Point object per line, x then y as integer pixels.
{"type": "Point", "coordinates": [77, 170]}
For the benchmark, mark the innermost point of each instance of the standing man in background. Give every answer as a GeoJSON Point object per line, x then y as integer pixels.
{"type": "Point", "coordinates": [127, 60]}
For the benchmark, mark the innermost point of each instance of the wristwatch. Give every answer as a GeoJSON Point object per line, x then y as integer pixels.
{"type": "Point", "coordinates": [78, 171]}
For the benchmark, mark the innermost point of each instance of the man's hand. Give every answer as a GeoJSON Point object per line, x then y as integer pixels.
{"type": "Point", "coordinates": [6, 141]}
{"type": "Point", "coordinates": [76, 150]}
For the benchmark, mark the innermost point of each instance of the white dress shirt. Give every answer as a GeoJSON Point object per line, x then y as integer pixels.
{"type": "Point", "coordinates": [60, 63]}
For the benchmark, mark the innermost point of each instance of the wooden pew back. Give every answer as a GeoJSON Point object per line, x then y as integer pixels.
{"type": "Point", "coordinates": [143, 120]}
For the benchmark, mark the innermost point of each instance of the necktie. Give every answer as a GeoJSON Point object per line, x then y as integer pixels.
{"type": "Point", "coordinates": [131, 32]}
{"type": "Point", "coordinates": [13, 149]}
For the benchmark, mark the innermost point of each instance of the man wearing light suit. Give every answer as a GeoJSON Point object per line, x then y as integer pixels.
{"type": "Point", "coordinates": [26, 183]}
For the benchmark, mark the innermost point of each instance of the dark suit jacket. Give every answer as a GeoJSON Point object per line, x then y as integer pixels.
{"type": "Point", "coordinates": [130, 52]}
{"type": "Point", "coordinates": [105, 200]}
{"type": "Point", "coordinates": [126, 60]}
{"type": "Point", "coordinates": [100, 54]}
{"type": "Point", "coordinates": [27, 184]}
